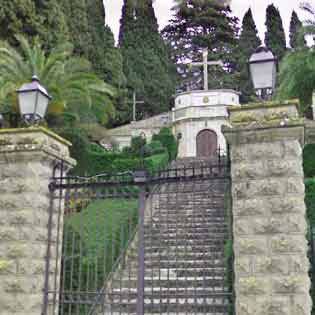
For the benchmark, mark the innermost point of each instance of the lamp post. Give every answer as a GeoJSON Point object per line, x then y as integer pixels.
{"type": "Point", "coordinates": [263, 70]}
{"type": "Point", "coordinates": [33, 101]}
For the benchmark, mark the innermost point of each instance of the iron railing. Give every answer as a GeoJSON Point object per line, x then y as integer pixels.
{"type": "Point", "coordinates": [130, 242]}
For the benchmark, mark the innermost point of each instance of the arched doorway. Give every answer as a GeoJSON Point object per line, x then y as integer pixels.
{"type": "Point", "coordinates": [207, 141]}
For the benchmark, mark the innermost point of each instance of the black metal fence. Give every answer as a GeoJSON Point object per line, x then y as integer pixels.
{"type": "Point", "coordinates": [135, 243]}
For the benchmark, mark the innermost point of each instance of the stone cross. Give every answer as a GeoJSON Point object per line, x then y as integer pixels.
{"type": "Point", "coordinates": [205, 63]}
{"type": "Point", "coordinates": [134, 105]}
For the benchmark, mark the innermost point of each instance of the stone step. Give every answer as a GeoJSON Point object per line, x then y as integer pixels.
{"type": "Point", "coordinates": [183, 282]}
{"type": "Point", "coordinates": [180, 256]}
{"type": "Point", "coordinates": [182, 223]}
{"type": "Point", "coordinates": [165, 306]}
{"type": "Point", "coordinates": [183, 249]}
{"type": "Point", "coordinates": [190, 215]}
{"type": "Point", "coordinates": [184, 236]}
{"type": "Point", "coordinates": [184, 242]}
{"type": "Point", "coordinates": [173, 264]}
{"type": "Point", "coordinates": [168, 273]}
{"type": "Point", "coordinates": [165, 298]}
{"type": "Point", "coordinates": [187, 229]}
{"type": "Point", "coordinates": [209, 292]}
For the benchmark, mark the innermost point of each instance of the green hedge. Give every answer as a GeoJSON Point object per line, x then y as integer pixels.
{"type": "Point", "coordinates": [309, 160]}
{"type": "Point", "coordinates": [155, 162]}
{"type": "Point", "coordinates": [167, 139]}
{"type": "Point", "coordinates": [310, 200]}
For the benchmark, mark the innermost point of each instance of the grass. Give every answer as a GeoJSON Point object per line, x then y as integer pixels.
{"type": "Point", "coordinates": [93, 241]}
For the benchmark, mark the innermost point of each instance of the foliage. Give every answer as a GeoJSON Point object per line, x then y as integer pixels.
{"type": "Point", "coordinates": [42, 18]}
{"type": "Point", "coordinates": [79, 149]}
{"type": "Point", "coordinates": [137, 143]}
{"type": "Point", "coordinates": [68, 79]}
{"type": "Point", "coordinates": [247, 44]}
{"type": "Point", "coordinates": [275, 36]}
{"type": "Point", "coordinates": [167, 139]}
{"type": "Point", "coordinates": [97, 235]}
{"type": "Point", "coordinates": [77, 20]}
{"type": "Point", "coordinates": [310, 211]}
{"type": "Point", "coordinates": [199, 24]}
{"type": "Point", "coordinates": [146, 64]}
{"type": "Point", "coordinates": [154, 147]}
{"type": "Point", "coordinates": [310, 200]}
{"type": "Point", "coordinates": [297, 76]}
{"type": "Point", "coordinates": [309, 24]}
{"type": "Point", "coordinates": [296, 40]}
{"type": "Point", "coordinates": [309, 161]}
{"type": "Point", "coordinates": [156, 162]}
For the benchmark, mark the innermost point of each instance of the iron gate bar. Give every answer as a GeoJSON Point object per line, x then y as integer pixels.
{"type": "Point", "coordinates": [158, 177]}
{"type": "Point", "coordinates": [125, 185]}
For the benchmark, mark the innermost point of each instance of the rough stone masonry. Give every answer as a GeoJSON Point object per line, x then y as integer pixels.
{"type": "Point", "coordinates": [27, 159]}
{"type": "Point", "coordinates": [269, 228]}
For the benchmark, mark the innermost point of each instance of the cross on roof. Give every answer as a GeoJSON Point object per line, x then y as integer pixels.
{"type": "Point", "coordinates": [205, 63]}
{"type": "Point", "coordinates": [134, 105]}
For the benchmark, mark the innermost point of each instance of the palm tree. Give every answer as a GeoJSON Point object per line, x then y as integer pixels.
{"type": "Point", "coordinates": [297, 69]}
{"type": "Point", "coordinates": [297, 76]}
{"type": "Point", "coordinates": [74, 88]}
{"type": "Point", "coordinates": [309, 24]}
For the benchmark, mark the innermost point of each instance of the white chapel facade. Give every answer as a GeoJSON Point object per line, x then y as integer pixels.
{"type": "Point", "coordinates": [196, 119]}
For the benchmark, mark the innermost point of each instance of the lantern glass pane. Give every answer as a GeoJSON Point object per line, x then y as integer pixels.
{"type": "Point", "coordinates": [263, 74]}
{"type": "Point", "coordinates": [27, 101]}
{"type": "Point", "coordinates": [42, 104]}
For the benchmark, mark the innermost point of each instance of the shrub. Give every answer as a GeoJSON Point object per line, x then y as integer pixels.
{"type": "Point", "coordinates": [168, 141]}
{"type": "Point", "coordinates": [155, 162]}
{"type": "Point", "coordinates": [137, 143]}
{"type": "Point", "coordinates": [309, 160]}
{"type": "Point", "coordinates": [154, 147]}
{"type": "Point", "coordinates": [79, 148]}
{"type": "Point", "coordinates": [310, 200]}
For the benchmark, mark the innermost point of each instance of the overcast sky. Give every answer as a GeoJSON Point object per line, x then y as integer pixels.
{"type": "Point", "coordinates": [239, 7]}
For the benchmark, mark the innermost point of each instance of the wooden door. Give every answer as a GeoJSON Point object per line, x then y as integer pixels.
{"type": "Point", "coordinates": [207, 142]}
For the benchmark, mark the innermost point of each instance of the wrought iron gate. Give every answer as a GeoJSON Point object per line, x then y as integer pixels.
{"type": "Point", "coordinates": [135, 243]}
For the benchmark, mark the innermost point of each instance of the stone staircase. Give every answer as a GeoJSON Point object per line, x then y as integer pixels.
{"type": "Point", "coordinates": [185, 231]}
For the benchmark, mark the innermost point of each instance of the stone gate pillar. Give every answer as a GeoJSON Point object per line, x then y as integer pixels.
{"type": "Point", "coordinates": [269, 225]}
{"type": "Point", "coordinates": [27, 159]}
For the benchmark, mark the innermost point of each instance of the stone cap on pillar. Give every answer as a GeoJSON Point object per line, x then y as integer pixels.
{"type": "Point", "coordinates": [32, 143]}
{"type": "Point", "coordinates": [274, 121]}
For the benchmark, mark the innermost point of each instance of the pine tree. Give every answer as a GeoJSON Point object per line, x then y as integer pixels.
{"type": "Point", "coordinates": [145, 57]}
{"type": "Point", "coordinates": [275, 36]}
{"type": "Point", "coordinates": [296, 39]}
{"type": "Point", "coordinates": [248, 42]}
{"type": "Point", "coordinates": [198, 24]}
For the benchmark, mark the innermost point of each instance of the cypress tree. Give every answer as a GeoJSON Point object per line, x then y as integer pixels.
{"type": "Point", "coordinates": [248, 42]}
{"type": "Point", "coordinates": [77, 20]}
{"type": "Point", "coordinates": [198, 24]}
{"type": "Point", "coordinates": [53, 24]}
{"type": "Point", "coordinates": [42, 18]}
{"type": "Point", "coordinates": [17, 17]}
{"type": "Point", "coordinates": [145, 57]}
{"type": "Point", "coordinates": [296, 40]}
{"type": "Point", "coordinates": [275, 36]}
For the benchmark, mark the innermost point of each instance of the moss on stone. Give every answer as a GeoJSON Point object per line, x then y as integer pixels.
{"type": "Point", "coordinates": [34, 130]}
{"type": "Point", "coordinates": [244, 118]}
{"type": "Point", "coordinates": [270, 104]}
{"type": "Point", "coordinates": [4, 265]}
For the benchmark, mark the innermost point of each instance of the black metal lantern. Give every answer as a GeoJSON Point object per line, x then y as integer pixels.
{"type": "Point", "coordinates": [263, 70]}
{"type": "Point", "coordinates": [33, 101]}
